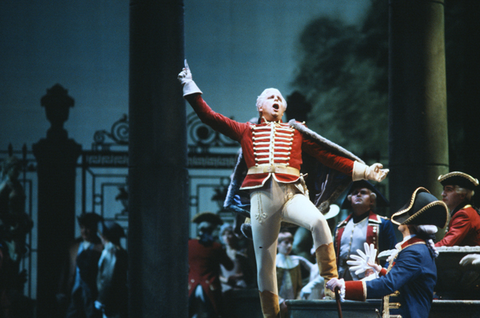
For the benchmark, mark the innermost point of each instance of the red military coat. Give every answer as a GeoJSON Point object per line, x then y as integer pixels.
{"type": "Point", "coordinates": [463, 229]}
{"type": "Point", "coordinates": [373, 231]}
{"type": "Point", "coordinates": [204, 269]}
{"type": "Point", "coordinates": [269, 145]}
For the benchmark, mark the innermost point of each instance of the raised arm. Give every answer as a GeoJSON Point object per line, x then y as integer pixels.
{"type": "Point", "coordinates": [216, 121]}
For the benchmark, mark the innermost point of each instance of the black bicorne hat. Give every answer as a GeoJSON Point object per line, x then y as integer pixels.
{"type": "Point", "coordinates": [380, 201]}
{"type": "Point", "coordinates": [207, 217]}
{"type": "Point", "coordinates": [111, 230]}
{"type": "Point", "coordinates": [461, 179]}
{"type": "Point", "coordinates": [89, 219]}
{"type": "Point", "coordinates": [423, 209]}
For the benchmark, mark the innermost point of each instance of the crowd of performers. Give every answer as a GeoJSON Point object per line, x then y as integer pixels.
{"type": "Point", "coordinates": [270, 171]}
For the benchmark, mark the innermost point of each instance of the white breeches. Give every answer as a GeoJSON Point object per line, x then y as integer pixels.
{"type": "Point", "coordinates": [271, 205]}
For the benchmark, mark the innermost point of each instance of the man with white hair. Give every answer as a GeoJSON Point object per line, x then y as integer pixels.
{"type": "Point", "coordinates": [273, 154]}
{"type": "Point", "coordinates": [464, 225]}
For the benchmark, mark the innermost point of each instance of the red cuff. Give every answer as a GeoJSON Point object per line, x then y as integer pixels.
{"type": "Point", "coordinates": [355, 290]}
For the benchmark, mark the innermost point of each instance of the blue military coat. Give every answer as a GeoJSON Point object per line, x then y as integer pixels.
{"type": "Point", "coordinates": [412, 277]}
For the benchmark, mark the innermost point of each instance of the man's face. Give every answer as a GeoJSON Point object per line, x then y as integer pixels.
{"type": "Point", "coordinates": [451, 197]}
{"type": "Point", "coordinates": [361, 200]}
{"type": "Point", "coordinates": [285, 247]}
{"type": "Point", "coordinates": [272, 108]}
{"type": "Point", "coordinates": [87, 234]}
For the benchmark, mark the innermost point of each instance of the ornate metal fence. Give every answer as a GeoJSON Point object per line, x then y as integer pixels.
{"type": "Point", "coordinates": [211, 159]}
{"type": "Point", "coordinates": [102, 187]}
{"type": "Point", "coordinates": [28, 181]}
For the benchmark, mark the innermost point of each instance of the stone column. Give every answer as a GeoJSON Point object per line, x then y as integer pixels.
{"type": "Point", "coordinates": [56, 157]}
{"type": "Point", "coordinates": [471, 94]}
{"type": "Point", "coordinates": [158, 193]}
{"type": "Point", "coordinates": [418, 141]}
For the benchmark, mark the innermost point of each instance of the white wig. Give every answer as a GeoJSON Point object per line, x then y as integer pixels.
{"type": "Point", "coordinates": [468, 193]}
{"type": "Point", "coordinates": [428, 229]}
{"type": "Point", "coordinates": [263, 96]}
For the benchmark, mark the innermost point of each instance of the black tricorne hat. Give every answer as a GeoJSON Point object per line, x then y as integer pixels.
{"type": "Point", "coordinates": [207, 217]}
{"type": "Point", "coordinates": [461, 179]}
{"type": "Point", "coordinates": [111, 230]}
{"type": "Point", "coordinates": [89, 219]}
{"type": "Point", "coordinates": [380, 201]}
{"type": "Point", "coordinates": [423, 209]}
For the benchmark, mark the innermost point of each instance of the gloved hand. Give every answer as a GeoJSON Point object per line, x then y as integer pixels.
{"type": "Point", "coordinates": [473, 259]}
{"type": "Point", "coordinates": [99, 305]}
{"type": "Point", "coordinates": [376, 173]}
{"type": "Point", "coordinates": [334, 283]}
{"type": "Point", "coordinates": [185, 78]}
{"type": "Point", "coordinates": [362, 261]}
{"type": "Point", "coordinates": [373, 172]}
{"type": "Point", "coordinates": [305, 292]}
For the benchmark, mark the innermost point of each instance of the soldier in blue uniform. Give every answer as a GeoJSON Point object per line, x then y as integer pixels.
{"type": "Point", "coordinates": [412, 274]}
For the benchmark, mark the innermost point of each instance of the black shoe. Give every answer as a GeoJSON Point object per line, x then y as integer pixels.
{"type": "Point", "coordinates": [246, 229]}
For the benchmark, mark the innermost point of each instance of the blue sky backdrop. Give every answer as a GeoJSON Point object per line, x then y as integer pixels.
{"type": "Point", "coordinates": [235, 49]}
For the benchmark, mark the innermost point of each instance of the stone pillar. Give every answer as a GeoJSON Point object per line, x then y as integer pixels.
{"type": "Point", "coordinates": [56, 157]}
{"type": "Point", "coordinates": [471, 94]}
{"type": "Point", "coordinates": [418, 141]}
{"type": "Point", "coordinates": [158, 193]}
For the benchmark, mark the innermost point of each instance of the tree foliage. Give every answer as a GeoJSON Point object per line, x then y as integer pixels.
{"type": "Point", "coordinates": [342, 72]}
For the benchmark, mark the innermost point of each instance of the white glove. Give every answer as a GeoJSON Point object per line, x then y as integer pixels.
{"type": "Point", "coordinates": [334, 283]}
{"type": "Point", "coordinates": [98, 305]}
{"type": "Point", "coordinates": [376, 173]}
{"type": "Point", "coordinates": [185, 78]}
{"type": "Point", "coordinates": [361, 261]}
{"type": "Point", "coordinates": [305, 292]}
{"type": "Point", "coordinates": [373, 172]}
{"type": "Point", "coordinates": [314, 288]}
{"type": "Point", "coordinates": [473, 259]}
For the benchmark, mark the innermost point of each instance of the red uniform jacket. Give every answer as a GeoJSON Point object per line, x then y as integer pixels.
{"type": "Point", "coordinates": [268, 144]}
{"type": "Point", "coordinates": [463, 229]}
{"type": "Point", "coordinates": [204, 269]}
{"type": "Point", "coordinates": [373, 231]}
